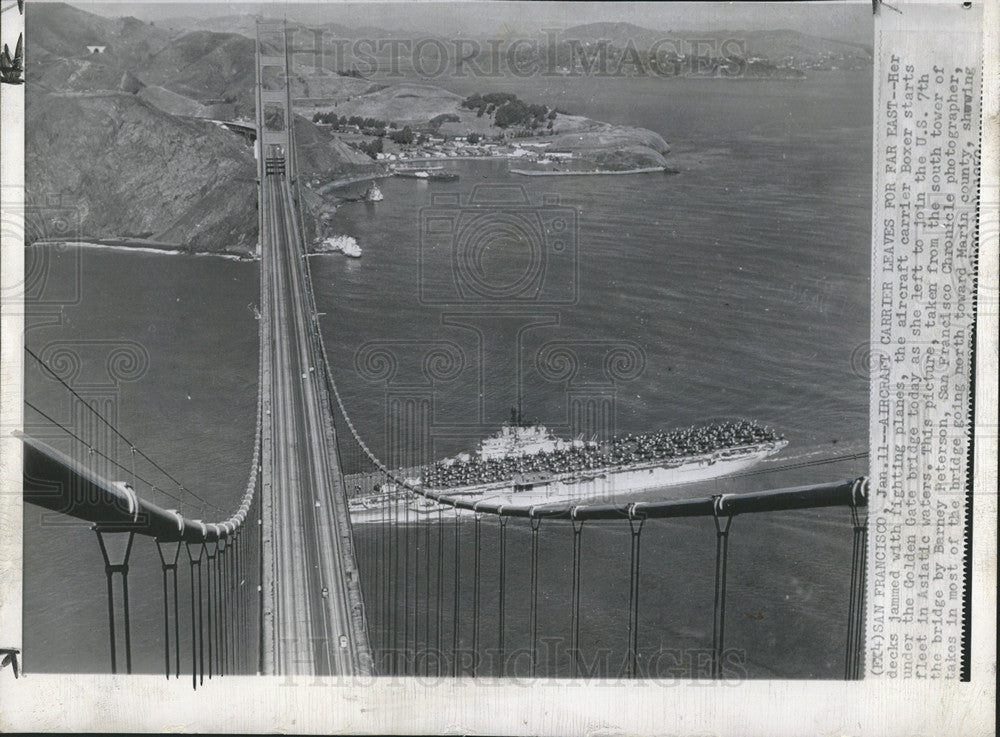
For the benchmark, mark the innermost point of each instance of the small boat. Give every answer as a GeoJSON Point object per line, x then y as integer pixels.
{"type": "Point", "coordinates": [437, 176]}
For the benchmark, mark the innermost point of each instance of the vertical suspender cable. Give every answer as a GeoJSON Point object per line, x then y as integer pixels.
{"type": "Point", "coordinates": [375, 604]}
{"type": "Point", "coordinates": [241, 610]}
{"type": "Point", "coordinates": [234, 616]}
{"type": "Point", "coordinates": [378, 643]}
{"type": "Point", "coordinates": [439, 646]}
{"type": "Point", "coordinates": [246, 603]}
{"type": "Point", "coordinates": [455, 618]}
{"type": "Point", "coordinates": [109, 571]}
{"type": "Point", "coordinates": [575, 621]}
{"type": "Point", "coordinates": [852, 604]}
{"type": "Point", "coordinates": [127, 617]}
{"type": "Point", "coordinates": [859, 609]}
{"type": "Point", "coordinates": [232, 619]}
{"type": "Point", "coordinates": [218, 609]}
{"type": "Point", "coordinates": [197, 651]}
{"type": "Point", "coordinates": [256, 591]}
{"type": "Point", "coordinates": [477, 567]}
{"type": "Point", "coordinates": [231, 605]}
{"type": "Point", "coordinates": [406, 585]}
{"type": "Point", "coordinates": [210, 558]}
{"type": "Point", "coordinates": [395, 581]}
{"type": "Point", "coordinates": [635, 528]}
{"type": "Point", "coordinates": [177, 620]}
{"type": "Point", "coordinates": [856, 608]}
{"type": "Point", "coordinates": [426, 526]}
{"type": "Point", "coordinates": [502, 603]}
{"type": "Point", "coordinates": [385, 612]}
{"type": "Point", "coordinates": [239, 638]}
{"type": "Point", "coordinates": [533, 611]}
{"type": "Point", "coordinates": [194, 631]}
{"type": "Point", "coordinates": [721, 555]}
{"type": "Point", "coordinates": [224, 565]}
{"type": "Point", "coordinates": [416, 590]}
{"type": "Point", "coordinates": [168, 566]}
{"type": "Point", "coordinates": [219, 612]}
{"type": "Point", "coordinates": [201, 622]}
{"type": "Point", "coordinates": [111, 608]}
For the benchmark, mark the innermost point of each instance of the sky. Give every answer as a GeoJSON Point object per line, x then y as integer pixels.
{"type": "Point", "coordinates": [843, 19]}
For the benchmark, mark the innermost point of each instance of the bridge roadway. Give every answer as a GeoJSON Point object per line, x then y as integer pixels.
{"type": "Point", "coordinates": [317, 621]}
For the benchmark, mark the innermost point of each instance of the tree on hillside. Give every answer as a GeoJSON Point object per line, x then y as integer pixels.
{"type": "Point", "coordinates": [512, 113]}
{"type": "Point", "coordinates": [404, 136]}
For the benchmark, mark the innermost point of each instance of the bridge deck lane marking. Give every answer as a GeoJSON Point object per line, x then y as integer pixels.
{"type": "Point", "coordinates": [329, 551]}
{"type": "Point", "coordinates": [283, 582]}
{"type": "Point", "coordinates": [277, 529]}
{"type": "Point", "coordinates": [330, 472]}
{"type": "Point", "coordinates": [307, 451]}
{"type": "Point", "coordinates": [337, 533]}
{"type": "Point", "coordinates": [295, 632]}
{"type": "Point", "coordinates": [307, 490]}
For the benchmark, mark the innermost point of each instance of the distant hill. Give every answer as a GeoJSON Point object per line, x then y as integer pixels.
{"type": "Point", "coordinates": [245, 24]}
{"type": "Point", "coordinates": [781, 44]}
{"type": "Point", "coordinates": [775, 45]}
{"type": "Point", "coordinates": [205, 66]}
{"type": "Point", "coordinates": [618, 34]}
{"type": "Point", "coordinates": [65, 31]}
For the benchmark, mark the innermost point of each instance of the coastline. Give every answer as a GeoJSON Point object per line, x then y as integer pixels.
{"type": "Point", "coordinates": [328, 187]}
{"type": "Point", "coordinates": [160, 250]}
{"type": "Point", "coordinates": [418, 159]}
{"type": "Point", "coordinates": [345, 181]}
{"type": "Point", "coordinates": [543, 173]}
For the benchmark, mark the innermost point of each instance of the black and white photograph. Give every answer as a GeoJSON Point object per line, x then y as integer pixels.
{"type": "Point", "coordinates": [507, 343]}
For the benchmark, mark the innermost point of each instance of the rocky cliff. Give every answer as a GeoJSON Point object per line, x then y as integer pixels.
{"type": "Point", "coordinates": [132, 170]}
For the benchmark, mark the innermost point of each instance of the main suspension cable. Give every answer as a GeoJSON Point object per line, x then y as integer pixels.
{"type": "Point", "coordinates": [96, 452]}
{"type": "Point", "coordinates": [115, 430]}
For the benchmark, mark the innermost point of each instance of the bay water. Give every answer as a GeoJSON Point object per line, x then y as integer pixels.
{"type": "Point", "coordinates": [737, 287]}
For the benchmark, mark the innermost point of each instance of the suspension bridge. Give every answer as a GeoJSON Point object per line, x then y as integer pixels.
{"type": "Point", "coordinates": [284, 584]}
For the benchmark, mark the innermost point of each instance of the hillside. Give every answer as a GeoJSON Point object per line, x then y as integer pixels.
{"type": "Point", "coordinates": [406, 103]}
{"type": "Point", "coordinates": [134, 171]}
{"type": "Point", "coordinates": [430, 108]}
{"type": "Point", "coordinates": [206, 66]}
{"type": "Point", "coordinates": [64, 31]}
{"type": "Point", "coordinates": [118, 133]}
